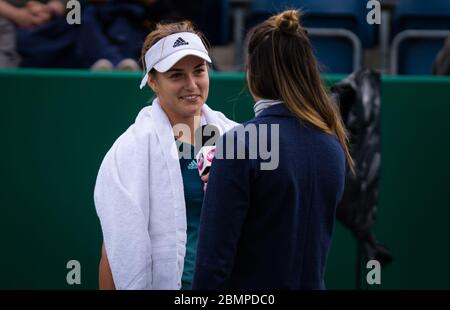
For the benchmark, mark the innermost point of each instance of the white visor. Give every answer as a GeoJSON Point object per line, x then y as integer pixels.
{"type": "Point", "coordinates": [169, 50]}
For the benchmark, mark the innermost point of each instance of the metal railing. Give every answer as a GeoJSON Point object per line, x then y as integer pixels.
{"type": "Point", "coordinates": [412, 34]}
{"type": "Point", "coordinates": [342, 33]}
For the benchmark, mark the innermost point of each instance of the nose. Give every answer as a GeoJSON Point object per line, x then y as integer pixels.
{"type": "Point", "coordinates": [191, 83]}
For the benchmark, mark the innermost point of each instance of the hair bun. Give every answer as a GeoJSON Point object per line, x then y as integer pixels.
{"type": "Point", "coordinates": [288, 21]}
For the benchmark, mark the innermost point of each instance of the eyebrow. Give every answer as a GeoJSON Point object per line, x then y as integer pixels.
{"type": "Point", "coordinates": [181, 70]}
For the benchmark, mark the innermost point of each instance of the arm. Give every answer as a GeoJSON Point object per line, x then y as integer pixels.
{"type": "Point", "coordinates": [6, 9]}
{"type": "Point", "coordinates": [20, 16]}
{"type": "Point", "coordinates": [124, 224]}
{"type": "Point", "coordinates": [224, 210]}
{"type": "Point", "coordinates": [39, 10]}
{"type": "Point", "coordinates": [105, 277]}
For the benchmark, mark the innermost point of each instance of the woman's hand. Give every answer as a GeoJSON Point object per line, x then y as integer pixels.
{"type": "Point", "coordinates": [205, 180]}
{"type": "Point", "coordinates": [40, 11]}
{"type": "Point", "coordinates": [56, 8]}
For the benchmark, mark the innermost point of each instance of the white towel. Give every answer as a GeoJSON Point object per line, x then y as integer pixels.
{"type": "Point", "coordinates": [139, 199]}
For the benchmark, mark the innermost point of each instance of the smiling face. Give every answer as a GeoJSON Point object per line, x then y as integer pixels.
{"type": "Point", "coordinates": [183, 89]}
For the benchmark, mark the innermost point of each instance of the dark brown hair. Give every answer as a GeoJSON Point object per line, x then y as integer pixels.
{"type": "Point", "coordinates": [281, 66]}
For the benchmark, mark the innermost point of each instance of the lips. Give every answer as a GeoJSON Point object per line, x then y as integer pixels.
{"type": "Point", "coordinates": [190, 98]}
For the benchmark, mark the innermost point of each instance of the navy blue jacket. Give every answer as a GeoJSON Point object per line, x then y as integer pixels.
{"type": "Point", "coordinates": [271, 229]}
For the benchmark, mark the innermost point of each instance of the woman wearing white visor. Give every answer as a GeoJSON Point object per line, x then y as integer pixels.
{"type": "Point", "coordinates": [147, 198]}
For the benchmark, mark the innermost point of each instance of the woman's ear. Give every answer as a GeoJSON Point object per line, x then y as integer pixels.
{"type": "Point", "coordinates": [152, 82]}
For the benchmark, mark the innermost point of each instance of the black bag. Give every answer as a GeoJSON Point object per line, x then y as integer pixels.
{"type": "Point", "coordinates": [359, 98]}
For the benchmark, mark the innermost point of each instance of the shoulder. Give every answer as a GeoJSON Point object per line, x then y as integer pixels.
{"type": "Point", "coordinates": [218, 118]}
{"type": "Point", "coordinates": [134, 141]}
{"type": "Point", "coordinates": [143, 125]}
{"type": "Point", "coordinates": [142, 128]}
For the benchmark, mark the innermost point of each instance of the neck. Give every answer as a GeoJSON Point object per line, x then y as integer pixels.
{"type": "Point", "coordinates": [184, 127]}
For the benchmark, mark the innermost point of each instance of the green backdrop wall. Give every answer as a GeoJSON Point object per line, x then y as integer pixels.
{"type": "Point", "coordinates": [56, 127]}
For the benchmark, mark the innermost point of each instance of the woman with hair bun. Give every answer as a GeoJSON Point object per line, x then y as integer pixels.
{"type": "Point", "coordinates": [271, 229]}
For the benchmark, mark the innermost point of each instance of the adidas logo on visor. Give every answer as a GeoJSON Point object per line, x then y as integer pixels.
{"type": "Point", "coordinates": [179, 42]}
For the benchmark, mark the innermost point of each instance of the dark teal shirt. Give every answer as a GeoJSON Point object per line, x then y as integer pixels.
{"type": "Point", "coordinates": [193, 195]}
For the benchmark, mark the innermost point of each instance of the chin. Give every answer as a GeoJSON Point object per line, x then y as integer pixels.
{"type": "Point", "coordinates": [193, 109]}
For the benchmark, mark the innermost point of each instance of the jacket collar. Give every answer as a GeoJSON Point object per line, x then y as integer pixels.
{"type": "Point", "coordinates": [276, 110]}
